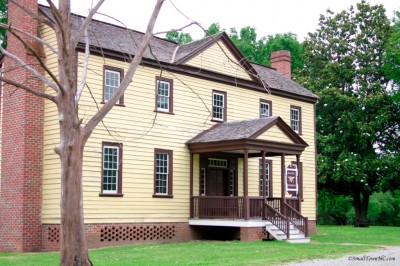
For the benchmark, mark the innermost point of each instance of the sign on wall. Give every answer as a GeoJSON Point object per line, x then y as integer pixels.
{"type": "Point", "coordinates": [292, 184]}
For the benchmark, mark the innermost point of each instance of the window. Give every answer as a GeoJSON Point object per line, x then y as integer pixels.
{"type": "Point", "coordinates": [202, 181]}
{"type": "Point", "coordinates": [111, 169]}
{"type": "Point", "coordinates": [162, 173]}
{"type": "Point", "coordinates": [268, 178]}
{"type": "Point", "coordinates": [112, 80]}
{"type": "Point", "coordinates": [265, 108]}
{"type": "Point", "coordinates": [219, 106]}
{"type": "Point", "coordinates": [295, 119]}
{"type": "Point", "coordinates": [164, 95]}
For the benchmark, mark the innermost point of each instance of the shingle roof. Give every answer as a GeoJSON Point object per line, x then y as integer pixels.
{"type": "Point", "coordinates": [233, 130]}
{"type": "Point", "coordinates": [277, 81]}
{"type": "Point", "coordinates": [106, 36]}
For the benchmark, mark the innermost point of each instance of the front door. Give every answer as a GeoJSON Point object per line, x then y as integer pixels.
{"type": "Point", "coordinates": [217, 183]}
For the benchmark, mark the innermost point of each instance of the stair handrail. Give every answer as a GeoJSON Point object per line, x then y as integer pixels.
{"type": "Point", "coordinates": [296, 218]}
{"type": "Point", "coordinates": [277, 219]}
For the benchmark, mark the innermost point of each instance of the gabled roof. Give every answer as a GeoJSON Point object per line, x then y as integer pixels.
{"type": "Point", "coordinates": [113, 40]}
{"type": "Point", "coordinates": [247, 129]}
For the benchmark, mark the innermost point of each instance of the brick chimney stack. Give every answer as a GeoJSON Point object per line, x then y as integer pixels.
{"type": "Point", "coordinates": [21, 124]}
{"type": "Point", "coordinates": [281, 61]}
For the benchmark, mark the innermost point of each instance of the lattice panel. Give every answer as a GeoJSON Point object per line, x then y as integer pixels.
{"type": "Point", "coordinates": [137, 233]}
{"type": "Point", "coordinates": [54, 234]}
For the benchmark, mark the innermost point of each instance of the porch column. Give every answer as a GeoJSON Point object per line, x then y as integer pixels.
{"type": "Point", "coordinates": [283, 188]}
{"type": "Point", "coordinates": [191, 186]}
{"type": "Point", "coordinates": [246, 210]}
{"type": "Point", "coordinates": [264, 182]}
{"type": "Point", "coordinates": [300, 180]}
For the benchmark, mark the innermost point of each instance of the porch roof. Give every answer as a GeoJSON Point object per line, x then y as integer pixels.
{"type": "Point", "coordinates": [235, 137]}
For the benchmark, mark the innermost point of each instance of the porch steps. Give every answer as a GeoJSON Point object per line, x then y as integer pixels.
{"type": "Point", "coordinates": [295, 235]}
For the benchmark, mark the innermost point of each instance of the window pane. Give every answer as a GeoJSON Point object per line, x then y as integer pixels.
{"type": "Point", "coordinates": [162, 173]}
{"type": "Point", "coordinates": [110, 168]}
{"type": "Point", "coordinates": [267, 175]}
{"type": "Point", "coordinates": [163, 92]}
{"type": "Point", "coordinates": [294, 119]}
{"type": "Point", "coordinates": [112, 81]}
{"type": "Point", "coordinates": [264, 110]}
{"type": "Point", "coordinates": [218, 106]}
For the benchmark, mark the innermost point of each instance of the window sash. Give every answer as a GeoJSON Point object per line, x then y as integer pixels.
{"type": "Point", "coordinates": [163, 95]}
{"type": "Point", "coordinates": [162, 173]}
{"type": "Point", "coordinates": [218, 106]}
{"type": "Point", "coordinates": [110, 169]}
{"type": "Point", "coordinates": [267, 176]}
{"type": "Point", "coordinates": [295, 119]}
{"type": "Point", "coordinates": [112, 81]}
{"type": "Point", "coordinates": [264, 107]}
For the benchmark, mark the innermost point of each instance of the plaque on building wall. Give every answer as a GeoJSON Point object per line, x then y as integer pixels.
{"type": "Point", "coordinates": [292, 186]}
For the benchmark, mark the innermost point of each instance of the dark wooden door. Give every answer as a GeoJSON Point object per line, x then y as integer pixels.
{"type": "Point", "coordinates": [217, 183]}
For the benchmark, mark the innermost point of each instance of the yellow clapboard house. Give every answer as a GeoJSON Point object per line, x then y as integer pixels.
{"type": "Point", "coordinates": [203, 145]}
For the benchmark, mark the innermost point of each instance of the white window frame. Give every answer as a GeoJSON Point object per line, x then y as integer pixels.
{"type": "Point", "coordinates": [162, 174]}
{"type": "Point", "coordinates": [221, 108]}
{"type": "Point", "coordinates": [295, 123]}
{"type": "Point", "coordinates": [113, 87]}
{"type": "Point", "coordinates": [116, 151]}
{"type": "Point", "coordinates": [262, 109]}
{"type": "Point", "coordinates": [165, 97]}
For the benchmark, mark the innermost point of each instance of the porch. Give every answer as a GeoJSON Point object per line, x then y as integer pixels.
{"type": "Point", "coordinates": [220, 148]}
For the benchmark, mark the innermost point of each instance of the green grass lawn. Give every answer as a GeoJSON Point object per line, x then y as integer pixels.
{"type": "Point", "coordinates": [328, 243]}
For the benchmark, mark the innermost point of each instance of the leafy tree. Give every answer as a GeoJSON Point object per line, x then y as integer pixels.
{"type": "Point", "coordinates": [392, 56]}
{"type": "Point", "coordinates": [214, 28]}
{"type": "Point", "coordinates": [3, 19]}
{"type": "Point", "coordinates": [178, 37]}
{"type": "Point", "coordinates": [357, 118]}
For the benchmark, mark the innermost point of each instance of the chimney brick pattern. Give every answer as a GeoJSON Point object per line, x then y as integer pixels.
{"type": "Point", "coordinates": [281, 61]}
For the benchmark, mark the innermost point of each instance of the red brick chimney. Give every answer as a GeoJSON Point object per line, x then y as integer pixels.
{"type": "Point", "coordinates": [22, 144]}
{"type": "Point", "coordinates": [281, 61]}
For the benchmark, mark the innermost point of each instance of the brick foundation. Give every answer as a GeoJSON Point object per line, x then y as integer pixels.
{"type": "Point", "coordinates": [312, 227]}
{"type": "Point", "coordinates": [105, 235]}
{"type": "Point", "coordinates": [22, 144]}
{"type": "Point", "coordinates": [248, 234]}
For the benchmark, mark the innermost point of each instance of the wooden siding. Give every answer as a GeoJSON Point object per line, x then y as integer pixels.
{"type": "Point", "coordinates": [219, 59]}
{"type": "Point", "coordinates": [275, 134]}
{"type": "Point", "coordinates": [140, 129]}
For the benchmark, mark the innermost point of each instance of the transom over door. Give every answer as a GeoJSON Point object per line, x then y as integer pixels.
{"type": "Point", "coordinates": [217, 183]}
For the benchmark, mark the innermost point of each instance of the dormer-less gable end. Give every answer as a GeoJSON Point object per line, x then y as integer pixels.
{"type": "Point", "coordinates": [216, 53]}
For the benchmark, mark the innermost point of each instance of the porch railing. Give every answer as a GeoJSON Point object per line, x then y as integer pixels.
{"type": "Point", "coordinates": [277, 219]}
{"type": "Point", "coordinates": [217, 207]}
{"type": "Point", "coordinates": [296, 218]}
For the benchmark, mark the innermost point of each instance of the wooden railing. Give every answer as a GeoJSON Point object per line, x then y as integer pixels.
{"type": "Point", "coordinates": [294, 203]}
{"type": "Point", "coordinates": [277, 219]}
{"type": "Point", "coordinates": [275, 203]}
{"type": "Point", "coordinates": [217, 207]}
{"type": "Point", "coordinates": [296, 218]}
{"type": "Point", "coordinates": [256, 207]}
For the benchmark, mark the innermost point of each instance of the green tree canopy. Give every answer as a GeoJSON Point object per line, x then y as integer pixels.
{"type": "Point", "coordinates": [178, 37]}
{"type": "Point", "coordinates": [392, 56]}
{"type": "Point", "coordinates": [357, 119]}
{"type": "Point", "coordinates": [3, 19]}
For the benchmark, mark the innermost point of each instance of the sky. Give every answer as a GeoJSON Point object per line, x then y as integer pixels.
{"type": "Point", "coordinates": [269, 17]}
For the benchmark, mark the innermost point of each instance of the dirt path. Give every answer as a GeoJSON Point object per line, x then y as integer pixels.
{"type": "Point", "coordinates": [388, 256]}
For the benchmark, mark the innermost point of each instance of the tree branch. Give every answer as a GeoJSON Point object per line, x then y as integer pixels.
{"type": "Point", "coordinates": [84, 71]}
{"type": "Point", "coordinates": [7, 27]}
{"type": "Point", "coordinates": [92, 123]}
{"type": "Point", "coordinates": [180, 29]}
{"type": "Point", "coordinates": [88, 19]}
{"type": "Point", "coordinates": [29, 68]}
{"type": "Point", "coordinates": [28, 89]}
{"type": "Point", "coordinates": [42, 64]}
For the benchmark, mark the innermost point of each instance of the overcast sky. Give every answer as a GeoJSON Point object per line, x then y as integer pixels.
{"type": "Point", "coordinates": [267, 16]}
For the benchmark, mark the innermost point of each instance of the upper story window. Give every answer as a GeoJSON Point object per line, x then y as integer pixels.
{"type": "Point", "coordinates": [164, 95]}
{"type": "Point", "coordinates": [265, 108]}
{"type": "Point", "coordinates": [112, 169]}
{"type": "Point", "coordinates": [163, 173]}
{"type": "Point", "coordinates": [112, 80]}
{"type": "Point", "coordinates": [219, 106]}
{"type": "Point", "coordinates": [295, 119]}
{"type": "Point", "coordinates": [268, 178]}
